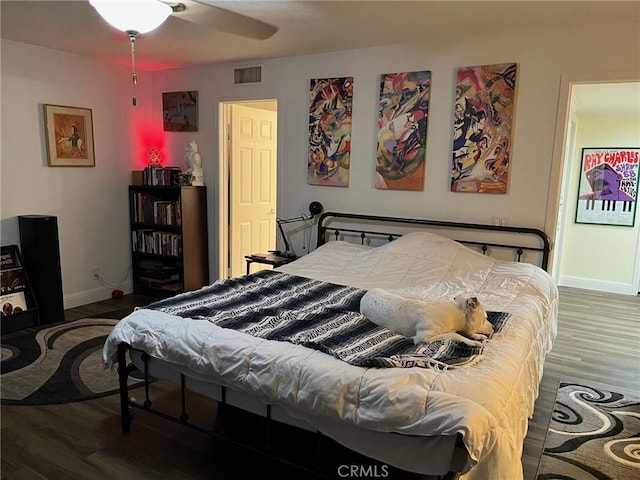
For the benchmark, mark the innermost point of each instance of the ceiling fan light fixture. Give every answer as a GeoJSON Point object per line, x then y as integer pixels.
{"type": "Point", "coordinates": [137, 16]}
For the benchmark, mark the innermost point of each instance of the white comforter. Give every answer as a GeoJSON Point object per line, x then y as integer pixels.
{"type": "Point", "coordinates": [488, 403]}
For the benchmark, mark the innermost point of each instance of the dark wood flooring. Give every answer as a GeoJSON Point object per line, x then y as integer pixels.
{"type": "Point", "coordinates": [598, 343]}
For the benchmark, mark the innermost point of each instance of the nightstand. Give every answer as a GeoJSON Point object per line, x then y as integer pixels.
{"type": "Point", "coordinates": [267, 259]}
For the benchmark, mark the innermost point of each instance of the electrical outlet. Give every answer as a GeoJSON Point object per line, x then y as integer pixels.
{"type": "Point", "coordinates": [95, 272]}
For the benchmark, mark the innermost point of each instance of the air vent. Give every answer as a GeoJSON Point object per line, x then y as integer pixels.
{"type": "Point", "coordinates": [244, 75]}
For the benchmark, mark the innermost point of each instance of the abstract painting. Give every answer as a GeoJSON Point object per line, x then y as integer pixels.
{"type": "Point", "coordinates": [483, 120]}
{"type": "Point", "coordinates": [403, 110]}
{"type": "Point", "coordinates": [329, 154]}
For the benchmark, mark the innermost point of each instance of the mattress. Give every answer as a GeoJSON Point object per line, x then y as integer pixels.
{"type": "Point", "coordinates": [488, 403]}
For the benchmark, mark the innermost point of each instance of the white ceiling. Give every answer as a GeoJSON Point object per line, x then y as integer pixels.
{"type": "Point", "coordinates": [304, 27]}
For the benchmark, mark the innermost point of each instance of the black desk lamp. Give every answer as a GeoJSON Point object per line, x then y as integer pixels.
{"type": "Point", "coordinates": [314, 209]}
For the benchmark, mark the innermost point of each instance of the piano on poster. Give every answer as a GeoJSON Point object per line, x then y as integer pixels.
{"type": "Point", "coordinates": [617, 212]}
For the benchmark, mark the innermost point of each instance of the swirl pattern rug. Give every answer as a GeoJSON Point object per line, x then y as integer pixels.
{"type": "Point", "coordinates": [57, 364]}
{"type": "Point", "coordinates": [593, 434]}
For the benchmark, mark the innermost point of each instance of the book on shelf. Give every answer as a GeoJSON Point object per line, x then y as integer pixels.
{"type": "Point", "coordinates": [12, 303]}
{"type": "Point", "coordinates": [158, 271]}
{"type": "Point", "coordinates": [9, 258]}
{"type": "Point", "coordinates": [156, 242]}
{"type": "Point", "coordinates": [155, 175]}
{"type": "Point", "coordinates": [173, 287]}
{"type": "Point", "coordinates": [12, 281]}
{"type": "Point", "coordinates": [157, 282]}
{"type": "Point", "coordinates": [152, 209]}
{"type": "Point", "coordinates": [166, 212]}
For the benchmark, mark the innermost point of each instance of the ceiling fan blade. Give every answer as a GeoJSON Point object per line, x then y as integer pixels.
{"type": "Point", "coordinates": [205, 13]}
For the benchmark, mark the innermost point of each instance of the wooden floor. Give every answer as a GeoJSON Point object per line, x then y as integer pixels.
{"type": "Point", "coordinates": [598, 343]}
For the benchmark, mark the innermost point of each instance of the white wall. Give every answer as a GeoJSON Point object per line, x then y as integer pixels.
{"type": "Point", "coordinates": [599, 257]}
{"type": "Point", "coordinates": [91, 204]}
{"type": "Point", "coordinates": [542, 54]}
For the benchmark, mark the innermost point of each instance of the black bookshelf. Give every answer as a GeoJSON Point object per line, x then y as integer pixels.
{"type": "Point", "coordinates": [169, 248]}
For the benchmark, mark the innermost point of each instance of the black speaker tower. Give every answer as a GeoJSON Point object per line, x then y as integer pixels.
{"type": "Point", "coordinates": [41, 255]}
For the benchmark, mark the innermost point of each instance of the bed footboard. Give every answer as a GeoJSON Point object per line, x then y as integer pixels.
{"type": "Point", "coordinates": [127, 403]}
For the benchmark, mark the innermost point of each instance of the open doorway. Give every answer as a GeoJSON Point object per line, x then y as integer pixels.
{"type": "Point", "coordinates": [248, 183]}
{"type": "Point", "coordinates": [594, 111]}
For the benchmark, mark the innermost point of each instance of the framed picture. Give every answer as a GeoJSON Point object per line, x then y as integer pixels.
{"type": "Point", "coordinates": [403, 109]}
{"type": "Point", "coordinates": [180, 111]}
{"type": "Point", "coordinates": [608, 186]}
{"type": "Point", "coordinates": [69, 136]}
{"type": "Point", "coordinates": [329, 147]}
{"type": "Point", "coordinates": [482, 121]}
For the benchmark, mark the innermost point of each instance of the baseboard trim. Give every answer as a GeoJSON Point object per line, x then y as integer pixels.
{"type": "Point", "coordinates": [90, 296]}
{"type": "Point", "coordinates": [597, 285]}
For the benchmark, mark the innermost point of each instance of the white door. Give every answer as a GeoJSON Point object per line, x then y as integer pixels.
{"type": "Point", "coordinates": [252, 185]}
{"type": "Point", "coordinates": [562, 207]}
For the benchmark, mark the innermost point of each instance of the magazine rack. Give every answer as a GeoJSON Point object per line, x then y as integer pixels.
{"type": "Point", "coordinates": [18, 306]}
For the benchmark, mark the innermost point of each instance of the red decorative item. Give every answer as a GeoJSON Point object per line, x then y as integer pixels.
{"type": "Point", "coordinates": [116, 294]}
{"type": "Point", "coordinates": [153, 156]}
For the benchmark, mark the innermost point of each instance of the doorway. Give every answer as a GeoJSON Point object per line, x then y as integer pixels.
{"type": "Point", "coordinates": [593, 96]}
{"type": "Point", "coordinates": [248, 184]}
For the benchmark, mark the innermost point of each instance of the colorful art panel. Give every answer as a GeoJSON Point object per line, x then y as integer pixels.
{"type": "Point", "coordinates": [483, 120]}
{"type": "Point", "coordinates": [403, 110]}
{"type": "Point", "coordinates": [608, 188]}
{"type": "Point", "coordinates": [329, 155]}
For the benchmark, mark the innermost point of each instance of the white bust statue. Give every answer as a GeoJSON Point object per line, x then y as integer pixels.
{"type": "Point", "coordinates": [194, 161]}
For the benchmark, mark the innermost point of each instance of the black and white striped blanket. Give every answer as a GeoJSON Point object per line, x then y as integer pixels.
{"type": "Point", "coordinates": [324, 316]}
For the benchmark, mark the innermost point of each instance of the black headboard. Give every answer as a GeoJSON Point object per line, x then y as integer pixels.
{"type": "Point", "coordinates": [368, 227]}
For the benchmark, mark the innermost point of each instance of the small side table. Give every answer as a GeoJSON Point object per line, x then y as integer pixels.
{"type": "Point", "coordinates": [267, 259]}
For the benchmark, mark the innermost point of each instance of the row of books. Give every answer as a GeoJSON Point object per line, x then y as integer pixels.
{"type": "Point", "coordinates": [157, 243]}
{"type": "Point", "coordinates": [148, 208]}
{"type": "Point", "coordinates": [156, 175]}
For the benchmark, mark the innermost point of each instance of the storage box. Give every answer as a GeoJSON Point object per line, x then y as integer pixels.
{"type": "Point", "coordinates": [136, 177]}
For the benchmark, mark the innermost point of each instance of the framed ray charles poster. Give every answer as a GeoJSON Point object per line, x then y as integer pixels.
{"type": "Point", "coordinates": [608, 186]}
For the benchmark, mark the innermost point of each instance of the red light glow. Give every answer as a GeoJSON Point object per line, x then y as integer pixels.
{"type": "Point", "coordinates": [149, 136]}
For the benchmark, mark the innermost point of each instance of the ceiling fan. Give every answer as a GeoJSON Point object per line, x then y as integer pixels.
{"type": "Point", "coordinates": [136, 17]}
{"type": "Point", "coordinates": [205, 12]}
{"type": "Point", "coordinates": [143, 16]}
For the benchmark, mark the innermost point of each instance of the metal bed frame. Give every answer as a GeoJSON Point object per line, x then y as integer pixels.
{"type": "Point", "coordinates": [325, 230]}
{"type": "Point", "coordinates": [329, 224]}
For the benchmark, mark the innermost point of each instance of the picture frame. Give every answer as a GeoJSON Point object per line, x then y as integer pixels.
{"type": "Point", "coordinates": [403, 111]}
{"type": "Point", "coordinates": [329, 141]}
{"type": "Point", "coordinates": [608, 186]}
{"type": "Point", "coordinates": [483, 119]}
{"type": "Point", "coordinates": [180, 111]}
{"type": "Point", "coordinates": [69, 136]}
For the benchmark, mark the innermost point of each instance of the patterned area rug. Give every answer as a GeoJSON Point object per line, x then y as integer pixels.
{"type": "Point", "coordinates": [56, 364]}
{"type": "Point", "coordinates": [593, 434]}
